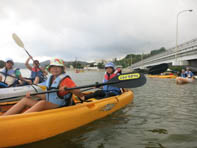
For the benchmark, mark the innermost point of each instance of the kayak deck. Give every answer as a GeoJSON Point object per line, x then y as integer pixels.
{"type": "Point", "coordinates": [45, 124]}
{"type": "Point", "coordinates": [20, 90]}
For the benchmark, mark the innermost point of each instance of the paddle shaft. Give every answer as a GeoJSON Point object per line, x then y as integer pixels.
{"type": "Point", "coordinates": [140, 79]}
{"type": "Point", "coordinates": [55, 90]}
{"type": "Point", "coordinates": [79, 87]}
{"type": "Point", "coordinates": [121, 81]}
{"type": "Point", "coordinates": [28, 54]}
{"type": "Point", "coordinates": [13, 76]}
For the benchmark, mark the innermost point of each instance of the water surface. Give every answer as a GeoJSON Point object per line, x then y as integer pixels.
{"type": "Point", "coordinates": [163, 115]}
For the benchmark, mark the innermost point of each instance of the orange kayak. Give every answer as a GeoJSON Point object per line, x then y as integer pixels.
{"type": "Point", "coordinates": [181, 80]}
{"type": "Point", "coordinates": [31, 127]}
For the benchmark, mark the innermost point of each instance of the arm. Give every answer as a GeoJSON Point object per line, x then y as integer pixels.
{"type": "Point", "coordinates": [78, 93]}
{"type": "Point", "coordinates": [24, 80]}
{"type": "Point", "coordinates": [68, 83]}
{"type": "Point", "coordinates": [192, 75]}
{"type": "Point", "coordinates": [27, 64]}
{"type": "Point", "coordinates": [44, 71]}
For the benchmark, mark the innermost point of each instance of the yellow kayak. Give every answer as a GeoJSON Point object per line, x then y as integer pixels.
{"type": "Point", "coordinates": [162, 76]}
{"type": "Point", "coordinates": [27, 128]}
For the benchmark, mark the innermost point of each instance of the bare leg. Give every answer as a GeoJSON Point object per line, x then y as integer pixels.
{"type": "Point", "coordinates": [36, 81]}
{"type": "Point", "coordinates": [17, 108]}
{"type": "Point", "coordinates": [20, 82]}
{"type": "Point", "coordinates": [29, 82]}
{"type": "Point", "coordinates": [41, 105]}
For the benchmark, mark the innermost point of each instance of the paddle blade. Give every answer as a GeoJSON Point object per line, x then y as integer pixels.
{"type": "Point", "coordinates": [44, 88]}
{"type": "Point", "coordinates": [158, 69]}
{"type": "Point", "coordinates": [17, 40]}
{"type": "Point", "coordinates": [128, 80]}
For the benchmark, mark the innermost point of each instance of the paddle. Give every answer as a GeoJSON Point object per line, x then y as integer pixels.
{"type": "Point", "coordinates": [127, 80]}
{"type": "Point", "coordinates": [88, 89]}
{"type": "Point", "coordinates": [20, 43]}
{"type": "Point", "coordinates": [157, 69]}
{"type": "Point", "coordinates": [13, 76]}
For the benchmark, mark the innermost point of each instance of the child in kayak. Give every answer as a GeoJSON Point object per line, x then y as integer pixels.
{"type": "Point", "coordinates": [37, 73]}
{"type": "Point", "coordinates": [57, 80]}
{"type": "Point", "coordinates": [107, 91]}
{"type": "Point", "coordinates": [12, 76]}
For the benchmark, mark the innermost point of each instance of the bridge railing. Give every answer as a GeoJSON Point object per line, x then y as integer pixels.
{"type": "Point", "coordinates": [184, 47]}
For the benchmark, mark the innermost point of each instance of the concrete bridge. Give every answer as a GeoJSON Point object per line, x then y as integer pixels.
{"type": "Point", "coordinates": [185, 54]}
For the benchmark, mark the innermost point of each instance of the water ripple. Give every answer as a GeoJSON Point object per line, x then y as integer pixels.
{"type": "Point", "coordinates": [163, 115]}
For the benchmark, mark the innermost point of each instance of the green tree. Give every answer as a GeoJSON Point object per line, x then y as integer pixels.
{"type": "Point", "coordinates": [91, 64]}
{"type": "Point", "coordinates": [154, 52]}
{"type": "Point", "coordinates": [2, 64]}
{"type": "Point", "coordinates": [101, 65]}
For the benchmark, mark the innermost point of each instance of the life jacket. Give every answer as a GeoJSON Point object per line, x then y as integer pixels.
{"type": "Point", "coordinates": [108, 88]}
{"type": "Point", "coordinates": [7, 79]}
{"type": "Point", "coordinates": [3, 85]}
{"type": "Point", "coordinates": [183, 75]}
{"type": "Point", "coordinates": [189, 74]}
{"type": "Point", "coordinates": [54, 97]}
{"type": "Point", "coordinates": [37, 72]}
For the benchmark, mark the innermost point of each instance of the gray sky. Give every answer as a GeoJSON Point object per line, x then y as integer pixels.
{"type": "Point", "coordinates": [92, 29]}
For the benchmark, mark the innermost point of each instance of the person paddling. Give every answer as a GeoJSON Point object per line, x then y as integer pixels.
{"type": "Point", "coordinates": [58, 79]}
{"type": "Point", "coordinates": [107, 91]}
{"type": "Point", "coordinates": [189, 74]}
{"type": "Point", "coordinates": [12, 76]}
{"type": "Point", "coordinates": [37, 73]}
{"type": "Point", "coordinates": [183, 74]}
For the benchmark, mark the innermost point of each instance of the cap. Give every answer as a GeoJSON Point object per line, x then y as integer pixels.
{"type": "Point", "coordinates": [110, 64]}
{"type": "Point", "coordinates": [56, 62]}
{"type": "Point", "coordinates": [9, 60]}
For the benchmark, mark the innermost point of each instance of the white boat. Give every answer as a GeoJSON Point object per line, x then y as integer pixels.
{"type": "Point", "coordinates": [12, 92]}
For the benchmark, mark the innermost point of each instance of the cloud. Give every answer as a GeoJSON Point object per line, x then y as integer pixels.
{"type": "Point", "coordinates": [92, 29]}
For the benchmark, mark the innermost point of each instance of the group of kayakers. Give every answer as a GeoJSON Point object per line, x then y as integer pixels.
{"type": "Point", "coordinates": [186, 76]}
{"type": "Point", "coordinates": [58, 79]}
{"type": "Point", "coordinates": [187, 73]}
{"type": "Point", "coordinates": [11, 77]}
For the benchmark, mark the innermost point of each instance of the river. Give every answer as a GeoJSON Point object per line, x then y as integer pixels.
{"type": "Point", "coordinates": [163, 115]}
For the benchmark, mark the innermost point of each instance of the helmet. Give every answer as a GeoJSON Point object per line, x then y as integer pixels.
{"type": "Point", "coordinates": [56, 62]}
{"type": "Point", "coordinates": [9, 60]}
{"type": "Point", "coordinates": [110, 64]}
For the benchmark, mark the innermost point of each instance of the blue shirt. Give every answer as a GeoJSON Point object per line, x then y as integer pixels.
{"type": "Point", "coordinates": [189, 74]}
